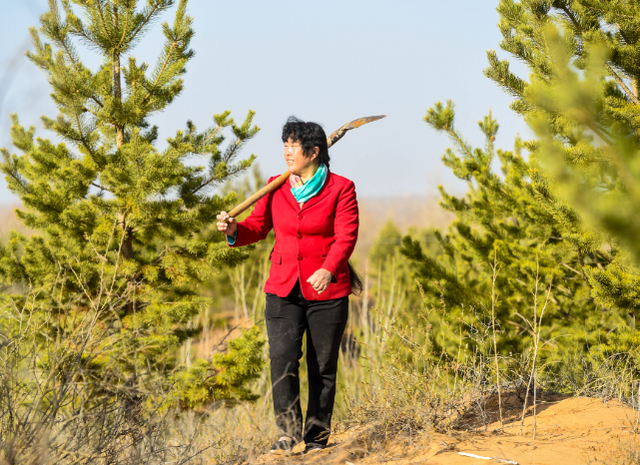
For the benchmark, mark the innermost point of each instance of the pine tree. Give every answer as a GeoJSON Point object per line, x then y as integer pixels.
{"type": "Point", "coordinates": [123, 228]}
{"type": "Point", "coordinates": [508, 220]}
{"type": "Point", "coordinates": [582, 100]}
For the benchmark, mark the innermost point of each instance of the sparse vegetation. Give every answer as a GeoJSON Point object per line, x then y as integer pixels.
{"type": "Point", "coordinates": [130, 333]}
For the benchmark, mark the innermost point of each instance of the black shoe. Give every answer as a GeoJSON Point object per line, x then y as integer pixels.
{"type": "Point", "coordinates": [282, 446]}
{"type": "Point", "coordinates": [312, 447]}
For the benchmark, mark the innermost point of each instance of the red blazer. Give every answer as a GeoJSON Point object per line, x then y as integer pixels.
{"type": "Point", "coordinates": [321, 234]}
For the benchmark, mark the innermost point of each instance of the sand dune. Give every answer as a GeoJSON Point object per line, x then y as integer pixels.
{"type": "Point", "coordinates": [569, 431]}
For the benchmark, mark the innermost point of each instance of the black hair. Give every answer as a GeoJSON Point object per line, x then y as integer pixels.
{"type": "Point", "coordinates": [309, 135]}
{"type": "Point", "coordinates": [355, 280]}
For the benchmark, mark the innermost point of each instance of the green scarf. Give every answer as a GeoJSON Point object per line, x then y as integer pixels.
{"type": "Point", "coordinates": [304, 192]}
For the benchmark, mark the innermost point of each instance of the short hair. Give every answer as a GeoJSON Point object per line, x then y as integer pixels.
{"type": "Point", "coordinates": [309, 135]}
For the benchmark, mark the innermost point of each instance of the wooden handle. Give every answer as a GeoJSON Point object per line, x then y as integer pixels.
{"type": "Point", "coordinates": [273, 185]}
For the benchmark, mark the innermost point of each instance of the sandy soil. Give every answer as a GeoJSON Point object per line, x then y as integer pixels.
{"type": "Point", "coordinates": [567, 431]}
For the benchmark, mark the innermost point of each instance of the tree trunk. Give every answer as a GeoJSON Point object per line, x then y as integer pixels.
{"type": "Point", "coordinates": [127, 246]}
{"type": "Point", "coordinates": [117, 86]}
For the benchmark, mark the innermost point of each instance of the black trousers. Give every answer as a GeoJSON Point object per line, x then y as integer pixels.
{"type": "Point", "coordinates": [287, 320]}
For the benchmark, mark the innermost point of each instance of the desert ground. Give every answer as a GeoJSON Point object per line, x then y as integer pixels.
{"type": "Point", "coordinates": [568, 430]}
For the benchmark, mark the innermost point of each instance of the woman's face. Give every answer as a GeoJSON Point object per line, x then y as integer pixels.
{"type": "Point", "coordinates": [297, 163]}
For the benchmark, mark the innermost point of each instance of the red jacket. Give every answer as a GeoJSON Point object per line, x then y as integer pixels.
{"type": "Point", "coordinates": [321, 234]}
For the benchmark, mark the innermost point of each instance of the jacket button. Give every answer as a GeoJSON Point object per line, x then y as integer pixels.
{"type": "Point", "coordinates": [299, 236]}
{"type": "Point", "coordinates": [299, 257]}
{"type": "Point", "coordinates": [300, 217]}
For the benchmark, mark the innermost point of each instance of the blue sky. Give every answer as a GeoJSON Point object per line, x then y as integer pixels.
{"type": "Point", "coordinates": [329, 62]}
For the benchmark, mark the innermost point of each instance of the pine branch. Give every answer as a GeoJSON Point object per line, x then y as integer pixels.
{"type": "Point", "coordinates": [103, 22]}
{"type": "Point", "coordinates": [77, 116]}
{"type": "Point", "coordinates": [609, 69]}
{"type": "Point", "coordinates": [606, 12]}
{"type": "Point", "coordinates": [623, 35]}
{"type": "Point", "coordinates": [69, 55]}
{"type": "Point", "coordinates": [83, 137]}
{"type": "Point", "coordinates": [230, 153]}
{"type": "Point", "coordinates": [145, 22]}
{"type": "Point", "coordinates": [102, 188]}
{"type": "Point", "coordinates": [621, 83]}
{"type": "Point", "coordinates": [160, 73]}
{"type": "Point", "coordinates": [78, 27]}
{"type": "Point", "coordinates": [454, 135]}
{"type": "Point", "coordinates": [84, 108]}
{"type": "Point", "coordinates": [85, 36]}
{"type": "Point", "coordinates": [571, 15]}
{"type": "Point", "coordinates": [124, 29]}
{"type": "Point", "coordinates": [19, 181]}
{"type": "Point", "coordinates": [194, 150]}
{"type": "Point", "coordinates": [203, 185]}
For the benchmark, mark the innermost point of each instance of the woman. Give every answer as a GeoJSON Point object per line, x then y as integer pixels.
{"type": "Point", "coordinates": [315, 219]}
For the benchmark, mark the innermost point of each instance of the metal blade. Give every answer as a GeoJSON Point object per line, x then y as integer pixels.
{"type": "Point", "coordinates": [356, 123]}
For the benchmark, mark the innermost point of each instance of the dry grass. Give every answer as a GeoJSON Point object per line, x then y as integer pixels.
{"type": "Point", "coordinates": [393, 388]}
{"type": "Point", "coordinates": [51, 411]}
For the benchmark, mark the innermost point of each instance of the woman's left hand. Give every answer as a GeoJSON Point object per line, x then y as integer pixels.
{"type": "Point", "coordinates": [320, 280]}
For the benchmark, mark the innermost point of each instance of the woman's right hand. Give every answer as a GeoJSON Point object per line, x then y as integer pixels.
{"type": "Point", "coordinates": [226, 224]}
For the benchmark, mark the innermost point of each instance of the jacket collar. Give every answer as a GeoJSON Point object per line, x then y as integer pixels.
{"type": "Point", "coordinates": [288, 195]}
{"type": "Point", "coordinates": [328, 184]}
